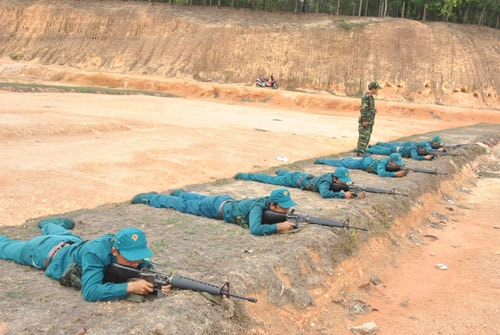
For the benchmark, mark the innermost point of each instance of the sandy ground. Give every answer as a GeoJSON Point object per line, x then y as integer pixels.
{"type": "Point", "coordinates": [62, 152]}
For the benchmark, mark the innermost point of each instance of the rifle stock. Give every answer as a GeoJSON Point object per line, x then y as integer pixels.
{"type": "Point", "coordinates": [270, 217]}
{"type": "Point", "coordinates": [117, 273]}
{"type": "Point", "coordinates": [340, 187]}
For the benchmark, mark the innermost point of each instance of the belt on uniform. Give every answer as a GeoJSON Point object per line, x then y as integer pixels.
{"type": "Point", "coordinates": [299, 182]}
{"type": "Point", "coordinates": [220, 209]}
{"type": "Point", "coordinates": [52, 253]}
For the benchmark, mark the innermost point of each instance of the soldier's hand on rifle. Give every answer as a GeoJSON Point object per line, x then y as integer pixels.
{"type": "Point", "coordinates": [349, 195]}
{"type": "Point", "coordinates": [285, 226]}
{"type": "Point", "coordinates": [429, 157]}
{"type": "Point", "coordinates": [400, 173]}
{"type": "Point", "coordinates": [362, 195]}
{"type": "Point", "coordinates": [165, 289]}
{"type": "Point", "coordinates": [140, 286]}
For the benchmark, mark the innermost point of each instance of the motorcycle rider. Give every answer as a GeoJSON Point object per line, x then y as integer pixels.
{"type": "Point", "coordinates": [266, 82]}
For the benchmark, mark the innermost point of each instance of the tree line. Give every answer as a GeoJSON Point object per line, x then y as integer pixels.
{"type": "Point", "coordinates": [478, 12]}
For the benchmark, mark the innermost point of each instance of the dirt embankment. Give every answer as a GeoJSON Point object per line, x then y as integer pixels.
{"type": "Point", "coordinates": [91, 42]}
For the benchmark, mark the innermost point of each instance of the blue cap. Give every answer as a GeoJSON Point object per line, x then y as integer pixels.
{"type": "Point", "coordinates": [437, 139]}
{"type": "Point", "coordinates": [342, 174]}
{"type": "Point", "coordinates": [425, 145]}
{"type": "Point", "coordinates": [132, 244]}
{"type": "Point", "coordinates": [281, 196]}
{"type": "Point", "coordinates": [396, 158]}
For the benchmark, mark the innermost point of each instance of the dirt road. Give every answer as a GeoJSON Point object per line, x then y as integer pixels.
{"type": "Point", "coordinates": [416, 297]}
{"type": "Point", "coordinates": [397, 284]}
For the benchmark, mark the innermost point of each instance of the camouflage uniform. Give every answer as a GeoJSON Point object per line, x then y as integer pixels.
{"type": "Point", "coordinates": [368, 112]}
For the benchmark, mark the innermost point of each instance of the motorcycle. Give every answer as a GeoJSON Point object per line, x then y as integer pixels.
{"type": "Point", "coordinates": [264, 82]}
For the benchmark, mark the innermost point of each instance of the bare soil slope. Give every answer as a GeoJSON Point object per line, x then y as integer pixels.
{"type": "Point", "coordinates": [415, 61]}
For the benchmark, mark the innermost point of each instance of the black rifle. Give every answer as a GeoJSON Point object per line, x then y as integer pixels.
{"type": "Point", "coordinates": [356, 188]}
{"type": "Point", "coordinates": [454, 146]}
{"type": "Point", "coordinates": [117, 273]}
{"type": "Point", "coordinates": [435, 171]}
{"type": "Point", "coordinates": [270, 217]}
{"type": "Point", "coordinates": [444, 153]}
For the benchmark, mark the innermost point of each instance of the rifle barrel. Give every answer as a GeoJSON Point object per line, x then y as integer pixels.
{"type": "Point", "coordinates": [330, 223]}
{"type": "Point", "coordinates": [382, 191]}
{"type": "Point", "coordinates": [325, 222]}
{"type": "Point", "coordinates": [239, 296]}
{"type": "Point", "coordinates": [435, 171]}
{"type": "Point", "coordinates": [454, 146]}
{"type": "Point", "coordinates": [446, 153]}
{"type": "Point", "coordinates": [346, 224]}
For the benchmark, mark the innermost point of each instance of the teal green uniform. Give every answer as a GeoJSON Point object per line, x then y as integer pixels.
{"type": "Point", "coordinates": [390, 144]}
{"type": "Point", "coordinates": [368, 164]}
{"type": "Point", "coordinates": [367, 114]}
{"type": "Point", "coordinates": [406, 149]}
{"type": "Point", "coordinates": [299, 180]}
{"type": "Point", "coordinates": [246, 213]}
{"type": "Point", "coordinates": [92, 256]}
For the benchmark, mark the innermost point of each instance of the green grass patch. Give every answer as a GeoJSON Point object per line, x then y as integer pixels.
{"type": "Point", "coordinates": [34, 88]}
{"type": "Point", "coordinates": [14, 56]}
{"type": "Point", "coordinates": [344, 25]}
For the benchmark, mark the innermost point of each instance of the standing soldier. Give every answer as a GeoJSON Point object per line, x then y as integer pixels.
{"type": "Point", "coordinates": [366, 118]}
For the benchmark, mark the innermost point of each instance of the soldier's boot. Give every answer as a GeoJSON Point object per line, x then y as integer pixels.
{"type": "Point", "coordinates": [362, 154]}
{"type": "Point", "coordinates": [66, 223]}
{"type": "Point", "coordinates": [142, 198]}
{"type": "Point", "coordinates": [241, 176]}
{"type": "Point", "coordinates": [319, 161]}
{"type": "Point", "coordinates": [177, 193]}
